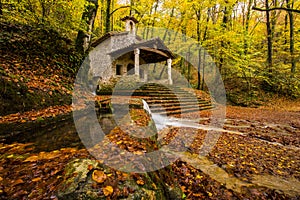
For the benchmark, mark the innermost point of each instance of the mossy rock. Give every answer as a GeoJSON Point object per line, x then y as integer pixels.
{"type": "Point", "coordinates": [80, 183]}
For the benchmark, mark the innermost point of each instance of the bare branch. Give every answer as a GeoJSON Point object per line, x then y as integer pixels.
{"type": "Point", "coordinates": [276, 8]}
{"type": "Point", "coordinates": [122, 8]}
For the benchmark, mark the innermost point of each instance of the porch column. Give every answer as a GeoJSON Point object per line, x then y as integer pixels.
{"type": "Point", "coordinates": [169, 61]}
{"type": "Point", "coordinates": [137, 62]}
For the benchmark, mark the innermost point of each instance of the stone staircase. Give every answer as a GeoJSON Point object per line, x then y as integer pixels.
{"type": "Point", "coordinates": [171, 101]}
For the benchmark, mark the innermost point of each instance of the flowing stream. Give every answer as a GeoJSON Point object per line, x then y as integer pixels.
{"type": "Point", "coordinates": [162, 121]}
{"type": "Point", "coordinates": [63, 134]}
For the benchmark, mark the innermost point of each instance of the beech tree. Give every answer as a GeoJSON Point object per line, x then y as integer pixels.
{"type": "Point", "coordinates": [290, 5]}
{"type": "Point", "coordinates": [83, 39]}
{"type": "Point", "coordinates": [251, 41]}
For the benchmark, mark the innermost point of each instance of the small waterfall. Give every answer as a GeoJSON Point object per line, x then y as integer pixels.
{"type": "Point", "coordinates": [146, 107]}
{"type": "Point", "coordinates": [162, 122]}
{"type": "Point", "coordinates": [157, 119]}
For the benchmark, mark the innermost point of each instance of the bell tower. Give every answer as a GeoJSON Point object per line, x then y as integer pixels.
{"type": "Point", "coordinates": [130, 23]}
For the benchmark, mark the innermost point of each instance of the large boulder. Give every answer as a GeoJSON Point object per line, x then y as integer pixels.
{"type": "Point", "coordinates": [89, 179]}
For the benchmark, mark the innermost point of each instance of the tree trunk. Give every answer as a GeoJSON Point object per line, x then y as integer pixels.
{"type": "Point", "coordinates": [154, 19]}
{"type": "Point", "coordinates": [168, 26]}
{"type": "Point", "coordinates": [101, 17]}
{"type": "Point", "coordinates": [204, 38]}
{"type": "Point", "coordinates": [291, 18]}
{"type": "Point", "coordinates": [88, 16]}
{"type": "Point", "coordinates": [112, 20]}
{"type": "Point", "coordinates": [183, 63]}
{"type": "Point", "coordinates": [269, 37]}
{"type": "Point", "coordinates": [203, 69]}
{"type": "Point", "coordinates": [285, 29]}
{"type": "Point", "coordinates": [225, 22]}
{"type": "Point", "coordinates": [199, 68]}
{"type": "Point", "coordinates": [189, 68]}
{"type": "Point", "coordinates": [274, 20]}
{"type": "Point", "coordinates": [198, 14]}
{"type": "Point", "coordinates": [246, 45]}
{"type": "Point", "coordinates": [107, 19]}
{"type": "Point", "coordinates": [146, 33]}
{"type": "Point", "coordinates": [1, 13]}
{"type": "Point", "coordinates": [131, 6]}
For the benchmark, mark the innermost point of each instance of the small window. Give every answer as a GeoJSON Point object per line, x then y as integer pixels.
{"type": "Point", "coordinates": [119, 70]}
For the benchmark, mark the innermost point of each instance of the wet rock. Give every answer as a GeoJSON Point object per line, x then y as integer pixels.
{"type": "Point", "coordinates": [80, 183]}
{"type": "Point", "coordinates": [75, 178]}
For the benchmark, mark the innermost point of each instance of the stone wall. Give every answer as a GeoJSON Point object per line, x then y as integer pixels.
{"type": "Point", "coordinates": [101, 64]}
{"type": "Point", "coordinates": [100, 61]}
{"type": "Point", "coordinates": [121, 41]}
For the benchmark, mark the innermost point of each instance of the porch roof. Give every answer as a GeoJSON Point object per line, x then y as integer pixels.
{"type": "Point", "coordinates": [151, 51]}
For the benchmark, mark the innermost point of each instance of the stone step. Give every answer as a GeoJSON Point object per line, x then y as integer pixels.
{"type": "Point", "coordinates": [174, 101]}
{"type": "Point", "coordinates": [156, 94]}
{"type": "Point", "coordinates": [174, 108]}
{"type": "Point", "coordinates": [167, 106]}
{"type": "Point", "coordinates": [175, 112]}
{"type": "Point", "coordinates": [167, 100]}
{"type": "Point", "coordinates": [167, 93]}
{"type": "Point", "coordinates": [183, 103]}
{"type": "Point", "coordinates": [141, 93]}
{"type": "Point", "coordinates": [153, 100]}
{"type": "Point", "coordinates": [147, 93]}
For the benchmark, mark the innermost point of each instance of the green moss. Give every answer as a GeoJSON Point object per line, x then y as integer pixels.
{"type": "Point", "coordinates": [78, 183]}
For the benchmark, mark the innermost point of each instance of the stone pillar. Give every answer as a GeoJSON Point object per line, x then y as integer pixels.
{"type": "Point", "coordinates": [169, 61]}
{"type": "Point", "coordinates": [137, 62]}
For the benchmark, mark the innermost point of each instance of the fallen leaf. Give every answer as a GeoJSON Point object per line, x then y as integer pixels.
{"type": "Point", "coordinates": [90, 167]}
{"type": "Point", "coordinates": [108, 190]}
{"type": "Point", "coordinates": [99, 176]}
{"type": "Point", "coordinates": [19, 181]}
{"type": "Point", "coordinates": [197, 195]}
{"type": "Point", "coordinates": [199, 176]}
{"type": "Point", "coordinates": [10, 156]}
{"type": "Point", "coordinates": [54, 172]}
{"type": "Point", "coordinates": [31, 159]}
{"type": "Point", "coordinates": [120, 142]}
{"type": "Point", "coordinates": [50, 155]}
{"type": "Point", "coordinates": [140, 182]}
{"type": "Point", "coordinates": [36, 179]}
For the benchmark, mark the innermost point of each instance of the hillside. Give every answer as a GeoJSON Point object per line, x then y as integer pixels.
{"type": "Point", "coordinates": [37, 68]}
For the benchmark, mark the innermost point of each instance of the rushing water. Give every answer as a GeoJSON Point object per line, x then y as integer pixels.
{"type": "Point", "coordinates": [62, 133]}
{"type": "Point", "coordinates": [146, 107]}
{"type": "Point", "coordinates": [162, 122]}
